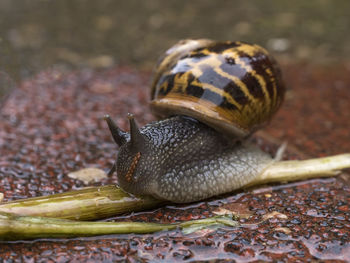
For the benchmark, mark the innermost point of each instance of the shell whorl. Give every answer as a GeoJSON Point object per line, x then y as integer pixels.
{"type": "Point", "coordinates": [234, 87]}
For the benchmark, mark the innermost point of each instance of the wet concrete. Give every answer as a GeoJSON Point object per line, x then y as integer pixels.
{"type": "Point", "coordinates": [52, 125]}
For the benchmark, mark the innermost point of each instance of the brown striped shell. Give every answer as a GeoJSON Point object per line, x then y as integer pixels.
{"type": "Point", "coordinates": [233, 87]}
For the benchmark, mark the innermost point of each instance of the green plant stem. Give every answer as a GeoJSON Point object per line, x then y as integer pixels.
{"type": "Point", "coordinates": [294, 170]}
{"type": "Point", "coordinates": [13, 227]}
{"type": "Point", "coordinates": [86, 204]}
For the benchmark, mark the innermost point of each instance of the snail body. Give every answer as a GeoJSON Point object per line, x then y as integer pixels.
{"type": "Point", "coordinates": [216, 94]}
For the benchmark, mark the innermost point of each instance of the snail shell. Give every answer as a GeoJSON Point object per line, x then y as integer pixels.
{"type": "Point", "coordinates": [234, 87]}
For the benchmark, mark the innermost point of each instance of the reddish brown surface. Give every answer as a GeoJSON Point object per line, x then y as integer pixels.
{"type": "Point", "coordinates": [52, 125]}
{"type": "Point", "coordinates": [315, 116]}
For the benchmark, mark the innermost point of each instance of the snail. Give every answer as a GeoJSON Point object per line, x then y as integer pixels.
{"type": "Point", "coordinates": [211, 96]}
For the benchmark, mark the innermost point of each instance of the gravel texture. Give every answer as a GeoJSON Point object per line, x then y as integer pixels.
{"type": "Point", "coordinates": [52, 125]}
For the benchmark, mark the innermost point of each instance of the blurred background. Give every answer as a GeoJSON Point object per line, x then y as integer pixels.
{"type": "Point", "coordinates": [41, 34]}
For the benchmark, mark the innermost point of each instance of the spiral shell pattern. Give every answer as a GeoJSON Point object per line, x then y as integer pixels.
{"type": "Point", "coordinates": [233, 87]}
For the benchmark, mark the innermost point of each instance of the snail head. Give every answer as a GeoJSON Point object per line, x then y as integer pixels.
{"type": "Point", "coordinates": [132, 146]}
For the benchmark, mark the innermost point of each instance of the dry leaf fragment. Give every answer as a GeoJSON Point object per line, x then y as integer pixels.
{"type": "Point", "coordinates": [88, 175]}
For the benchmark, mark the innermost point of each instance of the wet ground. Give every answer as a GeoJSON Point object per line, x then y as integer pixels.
{"type": "Point", "coordinates": [74, 61]}
{"type": "Point", "coordinates": [51, 125]}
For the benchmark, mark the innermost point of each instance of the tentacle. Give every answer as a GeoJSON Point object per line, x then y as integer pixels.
{"type": "Point", "coordinates": [136, 138]}
{"type": "Point", "coordinates": [113, 169]}
{"type": "Point", "coordinates": [119, 136]}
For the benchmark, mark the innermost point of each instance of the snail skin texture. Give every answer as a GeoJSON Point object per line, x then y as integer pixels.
{"type": "Point", "coordinates": [215, 94]}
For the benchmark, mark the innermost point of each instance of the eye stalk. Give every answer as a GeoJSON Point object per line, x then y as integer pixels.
{"type": "Point", "coordinates": [135, 139]}
{"type": "Point", "coordinates": [120, 137]}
